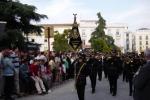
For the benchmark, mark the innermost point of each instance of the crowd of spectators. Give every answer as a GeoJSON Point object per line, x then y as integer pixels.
{"type": "Point", "coordinates": [24, 73]}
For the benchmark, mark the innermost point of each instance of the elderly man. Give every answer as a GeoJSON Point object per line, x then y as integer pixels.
{"type": "Point", "coordinates": [142, 80]}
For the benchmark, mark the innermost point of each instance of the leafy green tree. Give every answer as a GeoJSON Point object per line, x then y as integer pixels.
{"type": "Point", "coordinates": [100, 41]}
{"type": "Point", "coordinates": [61, 41]}
{"type": "Point", "coordinates": [18, 17]}
{"type": "Point", "coordinates": [15, 38]}
{"type": "Point", "coordinates": [100, 45]}
{"type": "Point", "coordinates": [99, 31]}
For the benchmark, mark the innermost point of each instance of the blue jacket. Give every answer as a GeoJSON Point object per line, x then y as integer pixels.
{"type": "Point", "coordinates": [8, 67]}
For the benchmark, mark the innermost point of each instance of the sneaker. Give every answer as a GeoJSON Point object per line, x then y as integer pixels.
{"type": "Point", "coordinates": [49, 91]}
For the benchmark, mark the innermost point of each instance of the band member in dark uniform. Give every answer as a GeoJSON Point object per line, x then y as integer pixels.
{"type": "Point", "coordinates": [81, 72]}
{"type": "Point", "coordinates": [105, 66]}
{"type": "Point", "coordinates": [100, 66]}
{"type": "Point", "coordinates": [124, 73]}
{"type": "Point", "coordinates": [129, 65]}
{"type": "Point", "coordinates": [113, 74]}
{"type": "Point", "coordinates": [93, 66]}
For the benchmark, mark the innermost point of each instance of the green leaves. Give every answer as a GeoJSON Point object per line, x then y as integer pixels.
{"type": "Point", "coordinates": [100, 45]}
{"type": "Point", "coordinates": [12, 38]}
{"type": "Point", "coordinates": [100, 41]}
{"type": "Point", "coordinates": [18, 17]}
{"type": "Point", "coordinates": [61, 41]}
{"type": "Point", "coordinates": [99, 31]}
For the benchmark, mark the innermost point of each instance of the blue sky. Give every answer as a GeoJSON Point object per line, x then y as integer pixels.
{"type": "Point", "coordinates": [134, 13]}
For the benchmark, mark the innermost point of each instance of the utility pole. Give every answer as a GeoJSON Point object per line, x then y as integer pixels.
{"type": "Point", "coordinates": [48, 31]}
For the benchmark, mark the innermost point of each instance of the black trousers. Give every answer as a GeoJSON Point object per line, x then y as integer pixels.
{"type": "Point", "coordinates": [45, 82]}
{"type": "Point", "coordinates": [113, 85]}
{"type": "Point", "coordinates": [124, 76]}
{"type": "Point", "coordinates": [105, 72]}
{"type": "Point", "coordinates": [100, 74]}
{"type": "Point", "coordinates": [93, 80]}
{"type": "Point", "coordinates": [130, 86]}
{"type": "Point", "coordinates": [80, 91]}
{"type": "Point", "coordinates": [8, 87]}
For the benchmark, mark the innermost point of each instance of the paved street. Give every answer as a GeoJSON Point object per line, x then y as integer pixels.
{"type": "Point", "coordinates": [66, 92]}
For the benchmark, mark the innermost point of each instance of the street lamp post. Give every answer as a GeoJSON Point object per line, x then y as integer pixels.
{"type": "Point", "coordinates": [48, 32]}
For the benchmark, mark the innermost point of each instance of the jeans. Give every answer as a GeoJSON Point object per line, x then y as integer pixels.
{"type": "Point", "coordinates": [8, 87]}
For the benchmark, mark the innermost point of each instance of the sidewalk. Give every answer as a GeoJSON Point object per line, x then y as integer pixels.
{"type": "Point", "coordinates": [54, 87]}
{"type": "Point", "coordinates": [66, 91]}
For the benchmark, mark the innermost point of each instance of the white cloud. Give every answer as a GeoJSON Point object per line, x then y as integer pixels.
{"type": "Point", "coordinates": [63, 12]}
{"type": "Point", "coordinates": [136, 17]}
{"type": "Point", "coordinates": [60, 11]}
{"type": "Point", "coordinates": [138, 10]}
{"type": "Point", "coordinates": [28, 1]}
{"type": "Point", "coordinates": [56, 7]}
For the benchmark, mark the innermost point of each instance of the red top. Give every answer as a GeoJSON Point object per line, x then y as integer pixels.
{"type": "Point", "coordinates": [33, 69]}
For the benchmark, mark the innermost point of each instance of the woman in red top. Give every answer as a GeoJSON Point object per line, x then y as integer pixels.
{"type": "Point", "coordinates": [34, 70]}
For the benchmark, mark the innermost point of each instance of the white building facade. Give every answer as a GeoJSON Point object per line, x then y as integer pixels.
{"type": "Point", "coordinates": [122, 37]}
{"type": "Point", "coordinates": [43, 40]}
{"type": "Point", "coordinates": [141, 40]}
{"type": "Point", "coordinates": [86, 27]}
